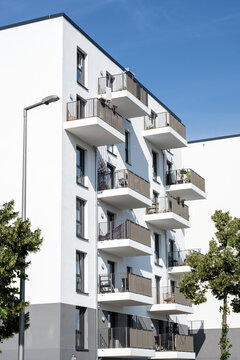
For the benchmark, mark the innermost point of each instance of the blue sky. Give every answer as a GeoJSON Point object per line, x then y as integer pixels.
{"type": "Point", "coordinates": [187, 52]}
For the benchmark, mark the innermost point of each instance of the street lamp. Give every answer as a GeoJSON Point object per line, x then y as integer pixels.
{"type": "Point", "coordinates": [47, 100]}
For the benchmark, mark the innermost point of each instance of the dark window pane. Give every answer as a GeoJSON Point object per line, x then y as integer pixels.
{"type": "Point", "coordinates": [80, 218]}
{"type": "Point", "coordinates": [80, 166]}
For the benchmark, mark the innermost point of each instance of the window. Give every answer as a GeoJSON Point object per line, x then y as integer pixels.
{"type": "Point", "coordinates": [80, 166]}
{"type": "Point", "coordinates": [110, 223]}
{"type": "Point", "coordinates": [171, 253]}
{"type": "Point", "coordinates": [155, 165]}
{"type": "Point", "coordinates": [153, 119]}
{"type": "Point", "coordinates": [157, 244]}
{"type": "Point", "coordinates": [81, 328]}
{"type": "Point", "coordinates": [80, 271]}
{"type": "Point", "coordinates": [81, 67]}
{"type": "Point", "coordinates": [111, 271]}
{"type": "Point", "coordinates": [111, 149]}
{"type": "Point", "coordinates": [110, 177]}
{"type": "Point", "coordinates": [109, 80]}
{"type": "Point", "coordinates": [127, 147]}
{"type": "Point", "coordinates": [169, 174]}
{"type": "Point", "coordinates": [80, 204]}
{"type": "Point", "coordinates": [138, 91]}
{"type": "Point", "coordinates": [157, 281]}
{"type": "Point", "coordinates": [81, 106]}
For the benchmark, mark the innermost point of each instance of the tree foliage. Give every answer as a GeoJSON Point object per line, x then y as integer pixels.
{"type": "Point", "coordinates": [17, 241]}
{"type": "Point", "coordinates": [217, 271]}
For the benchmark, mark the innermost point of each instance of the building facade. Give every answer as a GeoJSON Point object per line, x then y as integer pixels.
{"type": "Point", "coordinates": [106, 185]}
{"type": "Point", "coordinates": [216, 162]}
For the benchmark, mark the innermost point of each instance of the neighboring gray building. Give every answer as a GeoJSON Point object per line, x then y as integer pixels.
{"type": "Point", "coordinates": [215, 160]}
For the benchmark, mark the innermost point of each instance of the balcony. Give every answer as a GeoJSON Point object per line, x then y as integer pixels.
{"type": "Point", "coordinates": [174, 346]}
{"type": "Point", "coordinates": [186, 184]}
{"type": "Point", "coordinates": [168, 213]}
{"type": "Point", "coordinates": [125, 342]}
{"type": "Point", "coordinates": [164, 131]}
{"type": "Point", "coordinates": [123, 189]}
{"type": "Point", "coordinates": [94, 122]}
{"type": "Point", "coordinates": [125, 289]}
{"type": "Point", "coordinates": [177, 262]}
{"type": "Point", "coordinates": [130, 98]}
{"type": "Point", "coordinates": [168, 300]}
{"type": "Point", "coordinates": [124, 239]}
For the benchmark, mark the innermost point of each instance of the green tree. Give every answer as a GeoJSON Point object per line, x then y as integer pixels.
{"type": "Point", "coordinates": [217, 271]}
{"type": "Point", "coordinates": [17, 241]}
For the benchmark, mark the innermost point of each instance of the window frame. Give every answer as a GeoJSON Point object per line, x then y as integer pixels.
{"type": "Point", "coordinates": [127, 147]}
{"type": "Point", "coordinates": [81, 319]}
{"type": "Point", "coordinates": [81, 68]}
{"type": "Point", "coordinates": [80, 222]}
{"type": "Point", "coordinates": [157, 252]}
{"type": "Point", "coordinates": [80, 267]}
{"type": "Point", "coordinates": [155, 165]}
{"type": "Point", "coordinates": [79, 167]}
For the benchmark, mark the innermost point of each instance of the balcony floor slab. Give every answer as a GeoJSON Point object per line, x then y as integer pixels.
{"type": "Point", "coordinates": [125, 299]}
{"type": "Point", "coordinates": [126, 353]}
{"type": "Point", "coordinates": [187, 191]}
{"type": "Point", "coordinates": [124, 198]}
{"type": "Point", "coordinates": [179, 270]}
{"type": "Point", "coordinates": [164, 138]}
{"type": "Point", "coordinates": [128, 105]}
{"type": "Point", "coordinates": [172, 355]}
{"type": "Point", "coordinates": [171, 309]}
{"type": "Point", "coordinates": [124, 248]}
{"type": "Point", "coordinates": [94, 131]}
{"type": "Point", "coordinates": [167, 221]}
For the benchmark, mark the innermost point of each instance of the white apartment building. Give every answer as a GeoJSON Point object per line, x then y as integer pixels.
{"type": "Point", "coordinates": [106, 185]}
{"type": "Point", "coordinates": [215, 160]}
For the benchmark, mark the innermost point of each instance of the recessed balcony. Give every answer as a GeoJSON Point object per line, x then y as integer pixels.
{"type": "Point", "coordinates": [94, 122]}
{"type": "Point", "coordinates": [124, 239]}
{"type": "Point", "coordinates": [125, 342]}
{"type": "Point", "coordinates": [164, 131]}
{"type": "Point", "coordinates": [123, 189]}
{"type": "Point", "coordinates": [186, 184]}
{"type": "Point", "coordinates": [125, 93]}
{"type": "Point", "coordinates": [177, 261]}
{"type": "Point", "coordinates": [125, 289]}
{"type": "Point", "coordinates": [168, 213]}
{"type": "Point", "coordinates": [173, 346]}
{"type": "Point", "coordinates": [168, 300]}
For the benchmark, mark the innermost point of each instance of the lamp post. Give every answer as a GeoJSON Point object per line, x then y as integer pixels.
{"type": "Point", "coordinates": [47, 100]}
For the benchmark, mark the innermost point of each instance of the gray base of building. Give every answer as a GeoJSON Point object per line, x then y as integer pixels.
{"type": "Point", "coordinates": [206, 344]}
{"type": "Point", "coordinates": [51, 335]}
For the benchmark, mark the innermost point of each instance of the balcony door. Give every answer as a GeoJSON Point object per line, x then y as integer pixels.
{"type": "Point", "coordinates": [111, 272]}
{"type": "Point", "coordinates": [110, 176]}
{"type": "Point", "coordinates": [110, 223]}
{"type": "Point", "coordinates": [157, 281]}
{"type": "Point", "coordinates": [81, 104]}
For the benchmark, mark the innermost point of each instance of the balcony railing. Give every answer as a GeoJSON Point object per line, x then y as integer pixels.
{"type": "Point", "coordinates": [125, 282]}
{"type": "Point", "coordinates": [170, 295]}
{"type": "Point", "coordinates": [173, 342]}
{"type": "Point", "coordinates": [123, 179]}
{"type": "Point", "coordinates": [94, 108]}
{"type": "Point", "coordinates": [184, 176]}
{"type": "Point", "coordinates": [125, 230]}
{"type": "Point", "coordinates": [165, 119]}
{"type": "Point", "coordinates": [124, 82]}
{"type": "Point", "coordinates": [169, 204]}
{"type": "Point", "coordinates": [125, 337]}
{"type": "Point", "coordinates": [178, 258]}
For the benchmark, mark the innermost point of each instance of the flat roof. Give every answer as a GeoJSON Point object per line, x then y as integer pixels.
{"type": "Point", "coordinates": [93, 42]}
{"type": "Point", "coordinates": [214, 138]}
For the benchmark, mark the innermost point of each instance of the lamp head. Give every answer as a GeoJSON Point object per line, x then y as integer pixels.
{"type": "Point", "coordinates": [49, 99]}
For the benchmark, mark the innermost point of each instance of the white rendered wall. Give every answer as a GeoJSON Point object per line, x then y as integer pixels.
{"type": "Point", "coordinates": [30, 69]}
{"type": "Point", "coordinates": [214, 160]}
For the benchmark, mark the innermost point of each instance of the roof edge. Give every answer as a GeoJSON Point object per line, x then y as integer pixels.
{"type": "Point", "coordinates": [214, 138]}
{"type": "Point", "coordinates": [53, 16]}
